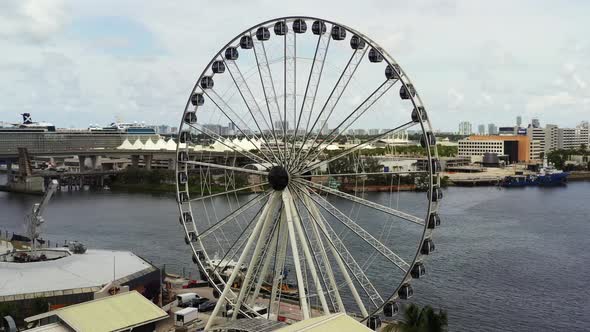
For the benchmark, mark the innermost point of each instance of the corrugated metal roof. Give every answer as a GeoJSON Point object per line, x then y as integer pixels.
{"type": "Point", "coordinates": [113, 313]}
{"type": "Point", "coordinates": [336, 322]}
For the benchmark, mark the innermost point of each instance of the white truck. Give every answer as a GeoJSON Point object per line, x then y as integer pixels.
{"type": "Point", "coordinates": [186, 298]}
{"type": "Point", "coordinates": [185, 316]}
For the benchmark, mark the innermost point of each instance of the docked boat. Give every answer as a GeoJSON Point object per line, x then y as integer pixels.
{"type": "Point", "coordinates": [547, 176]}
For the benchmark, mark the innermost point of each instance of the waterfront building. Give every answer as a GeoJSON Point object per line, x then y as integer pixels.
{"type": "Point", "coordinates": [465, 128]}
{"type": "Point", "coordinates": [481, 129]}
{"type": "Point", "coordinates": [127, 311]}
{"type": "Point", "coordinates": [537, 135]}
{"type": "Point", "coordinates": [68, 276]}
{"type": "Point", "coordinates": [516, 148]}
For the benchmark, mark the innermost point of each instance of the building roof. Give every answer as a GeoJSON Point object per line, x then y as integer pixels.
{"type": "Point", "coordinates": [335, 322]}
{"type": "Point", "coordinates": [84, 273]}
{"type": "Point", "coordinates": [114, 313]}
{"type": "Point", "coordinates": [54, 327]}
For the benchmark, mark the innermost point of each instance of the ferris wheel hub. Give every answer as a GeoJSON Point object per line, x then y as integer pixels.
{"type": "Point", "coordinates": [278, 178]}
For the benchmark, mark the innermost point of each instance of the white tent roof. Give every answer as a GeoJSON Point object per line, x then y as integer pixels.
{"type": "Point", "coordinates": [137, 145]}
{"type": "Point", "coordinates": [161, 144]}
{"type": "Point", "coordinates": [171, 145]}
{"type": "Point", "coordinates": [126, 145]}
{"type": "Point", "coordinates": [149, 145]}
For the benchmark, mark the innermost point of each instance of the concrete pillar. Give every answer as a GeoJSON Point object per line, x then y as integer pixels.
{"type": "Point", "coordinates": [93, 162]}
{"type": "Point", "coordinates": [9, 171]}
{"type": "Point", "coordinates": [134, 161]}
{"type": "Point", "coordinates": [82, 162]}
{"type": "Point", "coordinates": [147, 160]}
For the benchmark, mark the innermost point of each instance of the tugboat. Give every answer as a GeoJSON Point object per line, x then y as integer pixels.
{"type": "Point", "coordinates": [547, 176]}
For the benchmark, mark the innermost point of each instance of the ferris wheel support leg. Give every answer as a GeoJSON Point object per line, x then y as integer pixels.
{"type": "Point", "coordinates": [221, 303]}
{"type": "Point", "coordinates": [288, 202]}
{"type": "Point", "coordinates": [280, 257]}
{"type": "Point", "coordinates": [309, 259]}
{"type": "Point", "coordinates": [267, 225]}
{"type": "Point", "coordinates": [341, 265]}
{"type": "Point", "coordinates": [265, 265]}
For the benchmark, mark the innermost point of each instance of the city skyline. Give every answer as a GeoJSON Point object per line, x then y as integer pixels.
{"type": "Point", "coordinates": [76, 64]}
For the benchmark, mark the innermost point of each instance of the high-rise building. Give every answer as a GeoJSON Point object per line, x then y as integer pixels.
{"type": "Point", "coordinates": [535, 123]}
{"type": "Point", "coordinates": [492, 129]}
{"type": "Point", "coordinates": [373, 131]}
{"type": "Point", "coordinates": [465, 128]}
{"type": "Point", "coordinates": [481, 129]}
{"type": "Point", "coordinates": [518, 121]}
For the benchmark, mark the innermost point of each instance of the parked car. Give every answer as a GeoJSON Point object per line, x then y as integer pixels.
{"type": "Point", "coordinates": [207, 306]}
{"type": "Point", "coordinates": [195, 303]}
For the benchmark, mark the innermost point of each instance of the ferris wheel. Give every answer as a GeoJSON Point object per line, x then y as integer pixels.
{"type": "Point", "coordinates": [276, 164]}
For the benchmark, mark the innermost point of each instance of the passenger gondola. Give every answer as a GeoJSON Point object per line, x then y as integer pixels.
{"type": "Point", "coordinates": [207, 82]}
{"type": "Point", "coordinates": [190, 117]}
{"type": "Point", "coordinates": [406, 291]}
{"type": "Point", "coordinates": [430, 137]}
{"type": "Point", "coordinates": [280, 28]}
{"type": "Point", "coordinates": [427, 247]}
{"type": "Point", "coordinates": [231, 53]}
{"type": "Point", "coordinates": [433, 220]}
{"type": "Point", "coordinates": [390, 309]}
{"type": "Point", "coordinates": [375, 56]}
{"type": "Point", "coordinates": [182, 178]}
{"type": "Point", "coordinates": [405, 93]}
{"type": "Point", "coordinates": [392, 71]}
{"type": "Point", "coordinates": [246, 42]}
{"type": "Point", "coordinates": [218, 67]}
{"type": "Point", "coordinates": [338, 32]}
{"type": "Point", "coordinates": [318, 28]}
{"type": "Point", "coordinates": [182, 156]}
{"type": "Point", "coordinates": [436, 194]}
{"type": "Point", "coordinates": [299, 26]}
{"type": "Point", "coordinates": [262, 34]}
{"type": "Point", "coordinates": [418, 270]}
{"type": "Point", "coordinates": [374, 322]}
{"type": "Point", "coordinates": [421, 111]}
{"type": "Point", "coordinates": [197, 99]}
{"type": "Point", "coordinates": [357, 43]}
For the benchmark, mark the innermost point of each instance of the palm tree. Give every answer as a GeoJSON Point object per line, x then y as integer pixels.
{"type": "Point", "coordinates": [418, 319]}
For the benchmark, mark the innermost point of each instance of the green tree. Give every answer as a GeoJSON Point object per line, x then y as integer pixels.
{"type": "Point", "coordinates": [418, 319]}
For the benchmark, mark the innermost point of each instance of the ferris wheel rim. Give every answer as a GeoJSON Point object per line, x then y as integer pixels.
{"type": "Point", "coordinates": [425, 126]}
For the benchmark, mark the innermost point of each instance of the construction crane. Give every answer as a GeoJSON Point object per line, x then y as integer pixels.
{"type": "Point", "coordinates": [35, 219]}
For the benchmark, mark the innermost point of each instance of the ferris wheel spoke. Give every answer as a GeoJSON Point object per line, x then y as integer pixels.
{"type": "Point", "coordinates": [311, 89]}
{"type": "Point", "coordinates": [362, 201]}
{"type": "Point", "coordinates": [250, 101]}
{"type": "Point", "coordinates": [344, 259]}
{"type": "Point", "coordinates": [234, 214]}
{"type": "Point", "coordinates": [361, 232]}
{"type": "Point", "coordinates": [290, 83]}
{"type": "Point", "coordinates": [351, 118]}
{"type": "Point", "coordinates": [202, 198]}
{"type": "Point", "coordinates": [268, 87]}
{"type": "Point", "coordinates": [225, 167]}
{"type": "Point", "coordinates": [221, 140]}
{"type": "Point", "coordinates": [224, 108]}
{"type": "Point", "coordinates": [334, 97]}
{"type": "Point", "coordinates": [357, 147]}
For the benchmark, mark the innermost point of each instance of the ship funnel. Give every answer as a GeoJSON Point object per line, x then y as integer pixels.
{"type": "Point", "coordinates": [27, 118]}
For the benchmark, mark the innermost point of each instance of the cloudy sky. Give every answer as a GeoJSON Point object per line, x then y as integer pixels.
{"type": "Point", "coordinates": [79, 62]}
